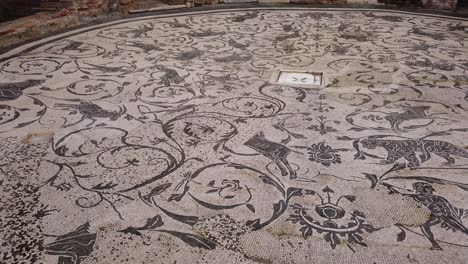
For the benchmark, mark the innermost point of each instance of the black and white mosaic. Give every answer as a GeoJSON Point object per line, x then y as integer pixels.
{"type": "Point", "coordinates": [166, 140]}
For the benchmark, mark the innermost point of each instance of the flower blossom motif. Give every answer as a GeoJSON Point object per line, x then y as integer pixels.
{"type": "Point", "coordinates": [227, 186]}
{"type": "Point", "coordinates": [324, 154]}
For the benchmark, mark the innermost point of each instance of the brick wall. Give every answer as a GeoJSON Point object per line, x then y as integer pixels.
{"type": "Point", "coordinates": [65, 13]}
{"type": "Point", "coordinates": [54, 15]}
{"type": "Point", "coordinates": [440, 4]}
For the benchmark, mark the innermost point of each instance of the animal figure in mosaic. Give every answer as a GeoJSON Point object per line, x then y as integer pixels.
{"type": "Point", "coordinates": [238, 45]}
{"type": "Point", "coordinates": [410, 113]}
{"type": "Point", "coordinates": [293, 35]}
{"type": "Point", "coordinates": [72, 247]}
{"type": "Point", "coordinates": [92, 111]}
{"type": "Point", "coordinates": [442, 211]}
{"type": "Point", "coordinates": [242, 18]}
{"type": "Point", "coordinates": [434, 36]}
{"type": "Point", "coordinates": [407, 149]}
{"type": "Point", "coordinates": [205, 33]}
{"type": "Point", "coordinates": [277, 152]}
{"type": "Point", "coordinates": [170, 76]}
{"type": "Point", "coordinates": [353, 33]}
{"type": "Point", "coordinates": [106, 69]}
{"type": "Point", "coordinates": [143, 46]}
{"type": "Point", "coordinates": [384, 17]}
{"type": "Point", "coordinates": [11, 91]}
{"type": "Point", "coordinates": [139, 32]}
{"type": "Point", "coordinates": [177, 24]}
{"type": "Point", "coordinates": [74, 46]}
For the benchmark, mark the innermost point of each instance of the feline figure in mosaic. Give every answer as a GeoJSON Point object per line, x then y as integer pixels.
{"type": "Point", "coordinates": [407, 149]}
{"type": "Point", "coordinates": [442, 211]}
{"type": "Point", "coordinates": [411, 113]}
{"type": "Point", "coordinates": [277, 152]}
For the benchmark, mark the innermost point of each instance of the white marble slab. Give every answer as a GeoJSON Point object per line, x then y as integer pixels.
{"type": "Point", "coordinates": [300, 78]}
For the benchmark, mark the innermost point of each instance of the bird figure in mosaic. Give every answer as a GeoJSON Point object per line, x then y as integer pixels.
{"type": "Point", "coordinates": [11, 91]}
{"type": "Point", "coordinates": [92, 111]}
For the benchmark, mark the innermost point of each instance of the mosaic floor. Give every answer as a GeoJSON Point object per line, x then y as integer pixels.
{"type": "Point", "coordinates": [167, 140]}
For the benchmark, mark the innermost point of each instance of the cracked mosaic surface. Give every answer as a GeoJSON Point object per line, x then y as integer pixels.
{"type": "Point", "coordinates": [166, 140]}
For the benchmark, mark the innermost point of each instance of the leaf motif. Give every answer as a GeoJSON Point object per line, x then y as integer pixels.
{"type": "Point", "coordinates": [250, 207]}
{"type": "Point", "coordinates": [306, 231]}
{"type": "Point", "coordinates": [401, 236]}
{"type": "Point", "coordinates": [372, 178]}
{"type": "Point", "coordinates": [355, 238]}
{"type": "Point", "coordinates": [294, 135]}
{"type": "Point", "coordinates": [255, 224]}
{"type": "Point", "coordinates": [102, 186]}
{"type": "Point", "coordinates": [291, 192]}
{"type": "Point", "coordinates": [371, 155]}
{"type": "Point", "coordinates": [193, 240]}
{"type": "Point", "coordinates": [61, 151]}
{"type": "Point", "coordinates": [186, 219]}
{"type": "Point", "coordinates": [159, 189]}
{"type": "Point", "coordinates": [328, 190]}
{"type": "Point", "coordinates": [357, 129]}
{"type": "Point", "coordinates": [293, 219]}
{"type": "Point", "coordinates": [176, 197]}
{"type": "Point", "coordinates": [216, 147]}
{"type": "Point", "coordinates": [37, 102]}
{"type": "Point", "coordinates": [301, 95]}
{"type": "Point", "coordinates": [215, 206]}
{"type": "Point", "coordinates": [335, 240]}
{"type": "Point", "coordinates": [286, 140]}
{"type": "Point", "coordinates": [131, 230]}
{"type": "Point", "coordinates": [350, 198]}
{"type": "Point", "coordinates": [25, 124]}
{"type": "Point", "coordinates": [153, 223]}
{"type": "Point", "coordinates": [279, 208]}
